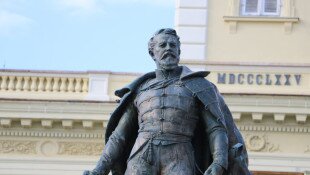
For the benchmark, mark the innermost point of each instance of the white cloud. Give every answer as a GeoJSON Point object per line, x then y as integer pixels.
{"type": "Point", "coordinates": [12, 22]}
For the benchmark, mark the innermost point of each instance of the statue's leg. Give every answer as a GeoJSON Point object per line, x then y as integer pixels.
{"type": "Point", "coordinates": [137, 165]}
{"type": "Point", "coordinates": [177, 159]}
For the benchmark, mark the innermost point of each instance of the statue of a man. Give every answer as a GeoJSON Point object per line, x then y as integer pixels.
{"type": "Point", "coordinates": [171, 122]}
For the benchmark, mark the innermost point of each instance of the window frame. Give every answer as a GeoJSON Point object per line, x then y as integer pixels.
{"type": "Point", "coordinates": [260, 9]}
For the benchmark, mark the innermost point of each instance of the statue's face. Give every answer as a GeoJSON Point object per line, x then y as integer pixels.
{"type": "Point", "coordinates": [166, 51]}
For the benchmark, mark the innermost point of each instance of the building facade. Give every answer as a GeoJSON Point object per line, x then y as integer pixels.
{"type": "Point", "coordinates": [257, 52]}
{"type": "Point", "coordinates": [53, 122]}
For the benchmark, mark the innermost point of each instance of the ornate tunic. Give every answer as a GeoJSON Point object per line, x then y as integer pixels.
{"type": "Point", "coordinates": [167, 111]}
{"type": "Point", "coordinates": [163, 113]}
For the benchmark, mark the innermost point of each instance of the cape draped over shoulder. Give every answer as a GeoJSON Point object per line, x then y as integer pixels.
{"type": "Point", "coordinates": [212, 100]}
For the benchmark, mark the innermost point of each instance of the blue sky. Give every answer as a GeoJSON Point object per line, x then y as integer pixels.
{"type": "Point", "coordinates": [80, 34]}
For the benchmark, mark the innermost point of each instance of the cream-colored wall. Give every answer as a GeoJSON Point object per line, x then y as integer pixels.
{"type": "Point", "coordinates": [260, 79]}
{"type": "Point", "coordinates": [252, 53]}
{"type": "Point", "coordinates": [224, 42]}
{"type": "Point", "coordinates": [118, 81]}
{"type": "Point", "coordinates": [257, 42]}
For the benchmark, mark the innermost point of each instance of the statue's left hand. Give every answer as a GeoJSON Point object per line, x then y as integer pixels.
{"type": "Point", "coordinates": [214, 169]}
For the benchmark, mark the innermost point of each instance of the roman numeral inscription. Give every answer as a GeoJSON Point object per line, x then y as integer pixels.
{"type": "Point", "coordinates": [259, 79]}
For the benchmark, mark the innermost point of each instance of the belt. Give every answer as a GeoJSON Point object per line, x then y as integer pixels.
{"type": "Point", "coordinates": [147, 155]}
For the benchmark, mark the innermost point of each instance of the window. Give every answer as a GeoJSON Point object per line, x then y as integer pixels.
{"type": "Point", "coordinates": [260, 7]}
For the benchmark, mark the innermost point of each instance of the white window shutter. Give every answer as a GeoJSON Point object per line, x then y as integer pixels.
{"type": "Point", "coordinates": [271, 7]}
{"type": "Point", "coordinates": [251, 7]}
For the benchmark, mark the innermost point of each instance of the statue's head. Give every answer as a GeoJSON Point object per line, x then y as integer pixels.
{"type": "Point", "coordinates": [164, 48]}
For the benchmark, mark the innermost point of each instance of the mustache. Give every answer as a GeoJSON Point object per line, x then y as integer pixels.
{"type": "Point", "coordinates": [166, 54]}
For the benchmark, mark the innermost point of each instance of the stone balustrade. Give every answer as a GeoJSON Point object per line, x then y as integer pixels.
{"type": "Point", "coordinates": [54, 85]}
{"type": "Point", "coordinates": [43, 84]}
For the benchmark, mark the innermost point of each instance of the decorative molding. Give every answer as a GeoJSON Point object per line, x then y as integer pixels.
{"type": "Point", "coordinates": [278, 162]}
{"type": "Point", "coordinates": [288, 27]}
{"type": "Point", "coordinates": [301, 118]}
{"type": "Point", "coordinates": [279, 118]}
{"type": "Point", "coordinates": [287, 21]}
{"type": "Point", "coordinates": [80, 148]}
{"type": "Point", "coordinates": [259, 19]}
{"type": "Point", "coordinates": [50, 148]}
{"type": "Point", "coordinates": [55, 110]}
{"type": "Point", "coordinates": [255, 143]}
{"type": "Point", "coordinates": [51, 85]}
{"type": "Point", "coordinates": [236, 116]}
{"type": "Point", "coordinates": [5, 122]}
{"type": "Point", "coordinates": [260, 143]}
{"type": "Point", "coordinates": [233, 27]}
{"type": "Point", "coordinates": [279, 108]}
{"type": "Point", "coordinates": [43, 84]}
{"type": "Point", "coordinates": [54, 134]}
{"type": "Point", "coordinates": [47, 123]}
{"type": "Point", "coordinates": [26, 123]}
{"type": "Point", "coordinates": [89, 115]}
{"type": "Point", "coordinates": [17, 147]}
{"type": "Point", "coordinates": [257, 117]}
{"type": "Point", "coordinates": [230, 65]}
{"type": "Point", "coordinates": [268, 128]}
{"type": "Point", "coordinates": [67, 124]}
{"type": "Point", "coordinates": [88, 124]}
{"type": "Point", "coordinates": [38, 165]}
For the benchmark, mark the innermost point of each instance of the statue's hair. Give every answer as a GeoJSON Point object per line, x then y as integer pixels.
{"type": "Point", "coordinates": [167, 31]}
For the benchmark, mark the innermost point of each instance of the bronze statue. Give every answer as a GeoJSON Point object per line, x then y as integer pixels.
{"type": "Point", "coordinates": [171, 122]}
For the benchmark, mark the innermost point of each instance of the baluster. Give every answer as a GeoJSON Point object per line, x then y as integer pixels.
{"type": "Point", "coordinates": [56, 84]}
{"type": "Point", "coordinates": [33, 86]}
{"type": "Point", "coordinates": [19, 83]}
{"type": "Point", "coordinates": [70, 86]}
{"type": "Point", "coordinates": [48, 84]}
{"type": "Point", "coordinates": [11, 83]}
{"type": "Point", "coordinates": [4, 84]}
{"type": "Point", "coordinates": [26, 86]}
{"type": "Point", "coordinates": [78, 86]}
{"type": "Point", "coordinates": [63, 85]}
{"type": "Point", "coordinates": [85, 85]}
{"type": "Point", "coordinates": [41, 84]}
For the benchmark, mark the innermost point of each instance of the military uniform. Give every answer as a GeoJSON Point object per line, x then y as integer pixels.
{"type": "Point", "coordinates": [167, 114]}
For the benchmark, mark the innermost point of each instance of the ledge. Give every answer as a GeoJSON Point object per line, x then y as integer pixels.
{"type": "Point", "coordinates": [260, 19]}
{"type": "Point", "coordinates": [233, 20]}
{"type": "Point", "coordinates": [279, 162]}
{"type": "Point", "coordinates": [244, 64]}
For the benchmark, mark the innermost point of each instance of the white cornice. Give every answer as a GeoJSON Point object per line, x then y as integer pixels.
{"type": "Point", "coordinates": [276, 162]}
{"type": "Point", "coordinates": [279, 108]}
{"type": "Point", "coordinates": [56, 110]}
{"type": "Point", "coordinates": [46, 165]}
{"type": "Point", "coordinates": [273, 128]}
{"type": "Point", "coordinates": [252, 66]}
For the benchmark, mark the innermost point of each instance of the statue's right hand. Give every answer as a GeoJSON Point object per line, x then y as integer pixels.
{"type": "Point", "coordinates": [214, 169]}
{"type": "Point", "coordinates": [87, 172]}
